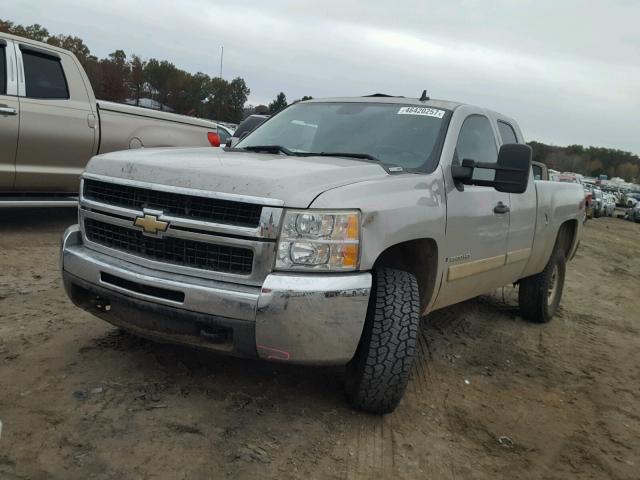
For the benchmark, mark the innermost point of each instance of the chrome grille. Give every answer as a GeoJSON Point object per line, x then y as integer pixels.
{"type": "Point", "coordinates": [190, 245]}
{"type": "Point", "coordinates": [177, 251]}
{"type": "Point", "coordinates": [177, 204]}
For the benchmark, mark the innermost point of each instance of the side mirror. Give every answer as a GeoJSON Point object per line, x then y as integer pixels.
{"type": "Point", "coordinates": [512, 169]}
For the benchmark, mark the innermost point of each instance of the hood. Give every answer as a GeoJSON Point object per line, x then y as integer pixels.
{"type": "Point", "coordinates": [294, 180]}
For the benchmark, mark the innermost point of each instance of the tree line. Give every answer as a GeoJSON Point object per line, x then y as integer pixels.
{"type": "Point", "coordinates": [120, 78]}
{"type": "Point", "coordinates": [589, 161]}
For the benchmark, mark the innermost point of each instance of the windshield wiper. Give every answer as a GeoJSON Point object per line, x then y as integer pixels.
{"type": "Point", "coordinates": [362, 156]}
{"type": "Point", "coordinates": [286, 151]}
{"type": "Point", "coordinates": [269, 149]}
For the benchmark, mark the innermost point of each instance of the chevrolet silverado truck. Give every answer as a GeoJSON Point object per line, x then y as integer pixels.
{"type": "Point", "coordinates": [323, 236]}
{"type": "Point", "coordinates": [51, 125]}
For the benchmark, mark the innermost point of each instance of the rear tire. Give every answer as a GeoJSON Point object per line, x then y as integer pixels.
{"type": "Point", "coordinates": [539, 295]}
{"type": "Point", "coordinates": [378, 374]}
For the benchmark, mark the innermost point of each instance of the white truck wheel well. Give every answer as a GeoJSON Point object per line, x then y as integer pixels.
{"type": "Point", "coordinates": [566, 236]}
{"type": "Point", "coordinates": [418, 257]}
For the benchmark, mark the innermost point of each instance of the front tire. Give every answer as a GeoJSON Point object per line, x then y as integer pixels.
{"type": "Point", "coordinates": [378, 374]}
{"type": "Point", "coordinates": [539, 295]}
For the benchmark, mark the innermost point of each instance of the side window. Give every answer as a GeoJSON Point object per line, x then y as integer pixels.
{"type": "Point", "coordinates": [44, 77]}
{"type": "Point", "coordinates": [248, 126]}
{"type": "Point", "coordinates": [506, 133]}
{"type": "Point", "coordinates": [3, 71]}
{"type": "Point", "coordinates": [243, 127]}
{"type": "Point", "coordinates": [477, 142]}
{"type": "Point", "coordinates": [537, 172]}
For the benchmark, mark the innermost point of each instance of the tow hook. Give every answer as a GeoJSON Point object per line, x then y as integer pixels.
{"type": "Point", "coordinates": [101, 304]}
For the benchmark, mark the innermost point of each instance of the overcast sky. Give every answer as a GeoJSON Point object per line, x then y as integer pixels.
{"type": "Point", "coordinates": [567, 70]}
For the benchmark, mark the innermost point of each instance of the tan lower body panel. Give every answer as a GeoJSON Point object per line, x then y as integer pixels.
{"type": "Point", "coordinates": [518, 255]}
{"type": "Point", "coordinates": [473, 268]}
{"type": "Point", "coordinates": [468, 269]}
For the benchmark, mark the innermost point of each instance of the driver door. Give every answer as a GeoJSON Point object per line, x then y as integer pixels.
{"type": "Point", "coordinates": [477, 228]}
{"type": "Point", "coordinates": [57, 124]}
{"type": "Point", "coordinates": [9, 115]}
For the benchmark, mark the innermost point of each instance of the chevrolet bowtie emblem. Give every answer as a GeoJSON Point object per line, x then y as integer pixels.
{"type": "Point", "coordinates": [151, 224]}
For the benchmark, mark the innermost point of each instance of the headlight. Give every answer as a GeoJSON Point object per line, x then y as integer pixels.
{"type": "Point", "coordinates": [319, 240]}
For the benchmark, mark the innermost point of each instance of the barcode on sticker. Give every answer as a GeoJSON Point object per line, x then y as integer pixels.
{"type": "Point", "coordinates": [427, 112]}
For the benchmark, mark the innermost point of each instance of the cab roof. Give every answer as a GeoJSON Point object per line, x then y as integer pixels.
{"type": "Point", "coordinates": [377, 98]}
{"type": "Point", "coordinates": [34, 43]}
{"type": "Point", "coordinates": [412, 101]}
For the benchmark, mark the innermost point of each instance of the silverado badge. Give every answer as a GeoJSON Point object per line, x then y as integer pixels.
{"type": "Point", "coordinates": [151, 224]}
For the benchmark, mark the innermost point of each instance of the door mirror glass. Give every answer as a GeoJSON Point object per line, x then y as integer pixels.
{"type": "Point", "coordinates": [514, 165]}
{"type": "Point", "coordinates": [511, 170]}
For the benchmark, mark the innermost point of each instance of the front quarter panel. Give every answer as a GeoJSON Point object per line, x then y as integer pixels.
{"type": "Point", "coordinates": [395, 209]}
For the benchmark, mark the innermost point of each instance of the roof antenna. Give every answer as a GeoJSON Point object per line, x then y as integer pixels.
{"type": "Point", "coordinates": [423, 97]}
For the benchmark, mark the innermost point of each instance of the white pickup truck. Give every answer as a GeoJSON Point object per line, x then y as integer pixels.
{"type": "Point", "coordinates": [323, 236]}
{"type": "Point", "coordinates": [51, 125]}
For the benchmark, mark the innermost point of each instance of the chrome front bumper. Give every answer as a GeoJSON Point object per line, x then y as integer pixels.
{"type": "Point", "coordinates": [297, 318]}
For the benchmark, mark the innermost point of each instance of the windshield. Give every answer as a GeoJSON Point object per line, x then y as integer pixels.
{"type": "Point", "coordinates": [403, 136]}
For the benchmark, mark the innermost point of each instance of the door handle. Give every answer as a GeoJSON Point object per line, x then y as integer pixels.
{"type": "Point", "coordinates": [8, 110]}
{"type": "Point", "coordinates": [501, 208]}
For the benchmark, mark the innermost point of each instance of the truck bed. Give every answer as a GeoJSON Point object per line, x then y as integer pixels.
{"type": "Point", "coordinates": [120, 108]}
{"type": "Point", "coordinates": [557, 204]}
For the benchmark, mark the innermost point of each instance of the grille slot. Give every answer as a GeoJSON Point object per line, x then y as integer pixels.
{"type": "Point", "coordinates": [150, 290]}
{"type": "Point", "coordinates": [177, 251]}
{"type": "Point", "coordinates": [177, 204]}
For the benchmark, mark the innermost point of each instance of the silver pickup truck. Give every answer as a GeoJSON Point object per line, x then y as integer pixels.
{"type": "Point", "coordinates": [324, 236]}
{"type": "Point", "coordinates": [51, 125]}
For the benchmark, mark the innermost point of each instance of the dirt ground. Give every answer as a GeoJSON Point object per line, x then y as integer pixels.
{"type": "Point", "coordinates": [491, 397]}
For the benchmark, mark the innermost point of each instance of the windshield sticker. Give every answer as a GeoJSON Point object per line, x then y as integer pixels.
{"type": "Point", "coordinates": [427, 112]}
